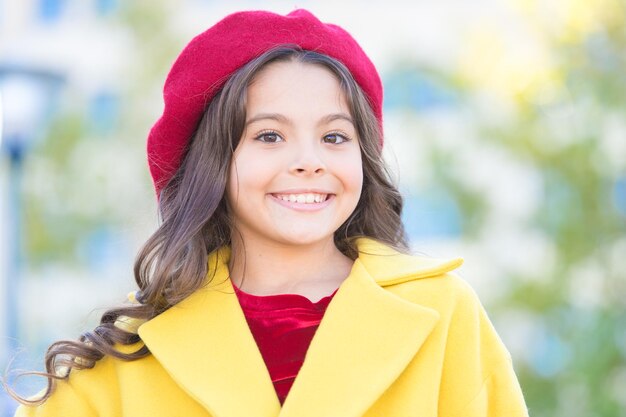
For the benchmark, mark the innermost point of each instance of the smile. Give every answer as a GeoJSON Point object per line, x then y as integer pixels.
{"type": "Point", "coordinates": [302, 198]}
{"type": "Point", "coordinates": [303, 202]}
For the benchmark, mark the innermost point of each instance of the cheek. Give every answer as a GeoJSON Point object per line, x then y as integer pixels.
{"type": "Point", "coordinates": [248, 175]}
{"type": "Point", "coordinates": [350, 170]}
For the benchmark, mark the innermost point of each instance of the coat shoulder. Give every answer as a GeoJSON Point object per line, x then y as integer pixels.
{"type": "Point", "coordinates": [80, 394]}
{"type": "Point", "coordinates": [476, 365]}
{"type": "Point", "coordinates": [90, 391]}
{"type": "Point", "coordinates": [462, 316]}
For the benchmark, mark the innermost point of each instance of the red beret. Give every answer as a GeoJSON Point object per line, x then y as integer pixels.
{"type": "Point", "coordinates": [210, 58]}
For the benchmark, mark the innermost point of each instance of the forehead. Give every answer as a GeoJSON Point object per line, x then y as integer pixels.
{"type": "Point", "coordinates": [292, 85]}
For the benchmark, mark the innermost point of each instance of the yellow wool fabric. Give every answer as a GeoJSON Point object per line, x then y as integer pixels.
{"type": "Point", "coordinates": [403, 336]}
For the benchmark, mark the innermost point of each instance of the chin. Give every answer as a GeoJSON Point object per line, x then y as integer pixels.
{"type": "Point", "coordinates": [306, 237]}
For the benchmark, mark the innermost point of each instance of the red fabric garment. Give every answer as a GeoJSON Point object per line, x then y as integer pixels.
{"type": "Point", "coordinates": [283, 326]}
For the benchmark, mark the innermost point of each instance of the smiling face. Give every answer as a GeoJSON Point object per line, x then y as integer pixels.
{"type": "Point", "coordinates": [296, 175]}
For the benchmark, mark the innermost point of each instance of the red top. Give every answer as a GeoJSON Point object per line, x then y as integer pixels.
{"type": "Point", "coordinates": [283, 326]}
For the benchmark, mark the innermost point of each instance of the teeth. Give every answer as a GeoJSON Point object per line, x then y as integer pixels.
{"type": "Point", "coordinates": [302, 198]}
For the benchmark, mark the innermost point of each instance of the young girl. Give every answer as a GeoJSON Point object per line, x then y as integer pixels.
{"type": "Point", "coordinates": [279, 282]}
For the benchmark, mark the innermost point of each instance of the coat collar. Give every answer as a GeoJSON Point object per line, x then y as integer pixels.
{"type": "Point", "coordinates": [388, 266]}
{"type": "Point", "coordinates": [206, 346]}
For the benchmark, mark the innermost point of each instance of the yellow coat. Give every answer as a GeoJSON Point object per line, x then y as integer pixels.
{"type": "Point", "coordinates": [402, 337]}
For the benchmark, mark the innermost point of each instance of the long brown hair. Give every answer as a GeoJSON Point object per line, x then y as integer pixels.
{"type": "Point", "coordinates": [195, 219]}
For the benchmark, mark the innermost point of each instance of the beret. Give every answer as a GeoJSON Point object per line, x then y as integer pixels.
{"type": "Point", "coordinates": [211, 57]}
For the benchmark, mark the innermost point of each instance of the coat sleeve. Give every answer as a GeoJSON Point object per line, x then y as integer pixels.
{"type": "Point", "coordinates": [478, 379]}
{"type": "Point", "coordinates": [499, 395]}
{"type": "Point", "coordinates": [86, 393]}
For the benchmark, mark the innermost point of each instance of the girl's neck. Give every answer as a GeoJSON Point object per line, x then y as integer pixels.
{"type": "Point", "coordinates": [313, 271]}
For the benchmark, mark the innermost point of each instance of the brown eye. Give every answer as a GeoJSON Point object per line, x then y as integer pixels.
{"type": "Point", "coordinates": [335, 138]}
{"type": "Point", "coordinates": [268, 137]}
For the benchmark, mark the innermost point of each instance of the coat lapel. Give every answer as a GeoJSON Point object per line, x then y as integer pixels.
{"type": "Point", "coordinates": [206, 346]}
{"type": "Point", "coordinates": [365, 340]}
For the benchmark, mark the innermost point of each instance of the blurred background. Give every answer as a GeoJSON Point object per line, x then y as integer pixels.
{"type": "Point", "coordinates": [505, 127]}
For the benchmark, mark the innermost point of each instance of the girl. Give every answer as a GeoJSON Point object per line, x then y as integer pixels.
{"type": "Point", "coordinates": [279, 282]}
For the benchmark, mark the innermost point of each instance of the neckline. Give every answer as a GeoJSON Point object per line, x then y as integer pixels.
{"type": "Point", "coordinates": [277, 301]}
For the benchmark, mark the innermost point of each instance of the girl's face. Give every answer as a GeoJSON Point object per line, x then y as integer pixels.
{"type": "Point", "coordinates": [296, 174]}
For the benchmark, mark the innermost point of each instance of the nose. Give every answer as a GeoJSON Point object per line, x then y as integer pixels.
{"type": "Point", "coordinates": [307, 160]}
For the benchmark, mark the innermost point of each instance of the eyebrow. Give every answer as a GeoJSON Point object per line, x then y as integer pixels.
{"type": "Point", "coordinates": [285, 120]}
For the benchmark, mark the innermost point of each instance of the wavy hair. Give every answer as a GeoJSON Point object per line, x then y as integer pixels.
{"type": "Point", "coordinates": [194, 217]}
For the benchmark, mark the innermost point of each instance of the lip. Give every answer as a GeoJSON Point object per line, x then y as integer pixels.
{"type": "Point", "coordinates": [303, 206]}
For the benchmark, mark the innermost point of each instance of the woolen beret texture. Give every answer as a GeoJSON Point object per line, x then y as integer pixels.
{"type": "Point", "coordinates": [205, 64]}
